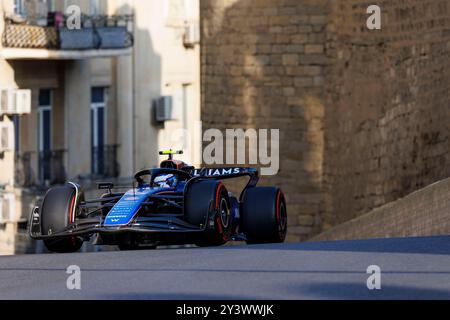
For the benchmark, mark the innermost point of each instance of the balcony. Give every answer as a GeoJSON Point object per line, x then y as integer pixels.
{"type": "Point", "coordinates": [104, 162]}
{"type": "Point", "coordinates": [99, 36]}
{"type": "Point", "coordinates": [50, 169]}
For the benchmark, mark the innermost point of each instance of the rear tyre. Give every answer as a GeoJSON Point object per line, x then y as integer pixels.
{"type": "Point", "coordinates": [208, 201]}
{"type": "Point", "coordinates": [58, 210]}
{"type": "Point", "coordinates": [264, 215]}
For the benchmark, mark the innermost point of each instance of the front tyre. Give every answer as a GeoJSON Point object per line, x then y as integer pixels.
{"type": "Point", "coordinates": [58, 211]}
{"type": "Point", "coordinates": [264, 215]}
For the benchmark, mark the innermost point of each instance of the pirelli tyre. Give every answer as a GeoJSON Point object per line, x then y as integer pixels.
{"type": "Point", "coordinates": [264, 215]}
{"type": "Point", "coordinates": [207, 201]}
{"type": "Point", "coordinates": [58, 210]}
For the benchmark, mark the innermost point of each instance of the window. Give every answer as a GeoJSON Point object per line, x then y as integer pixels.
{"type": "Point", "coordinates": [19, 7]}
{"type": "Point", "coordinates": [45, 134]}
{"type": "Point", "coordinates": [36, 12]}
{"type": "Point", "coordinates": [98, 129]}
{"type": "Point", "coordinates": [51, 6]}
{"type": "Point", "coordinates": [94, 7]}
{"type": "Point", "coordinates": [23, 6]}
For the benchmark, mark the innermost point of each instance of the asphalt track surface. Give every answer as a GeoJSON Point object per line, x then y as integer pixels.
{"type": "Point", "coordinates": [415, 268]}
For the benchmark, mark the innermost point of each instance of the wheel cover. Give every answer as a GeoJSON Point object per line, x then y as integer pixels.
{"type": "Point", "coordinates": [282, 223]}
{"type": "Point", "coordinates": [224, 212]}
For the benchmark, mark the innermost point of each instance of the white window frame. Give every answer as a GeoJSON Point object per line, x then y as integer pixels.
{"type": "Point", "coordinates": [94, 107]}
{"type": "Point", "coordinates": [41, 110]}
{"type": "Point", "coordinates": [19, 7]}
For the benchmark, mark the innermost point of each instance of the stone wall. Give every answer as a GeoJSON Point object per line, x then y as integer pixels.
{"type": "Point", "coordinates": [263, 67]}
{"type": "Point", "coordinates": [388, 101]}
{"type": "Point", "coordinates": [363, 114]}
{"type": "Point", "coordinates": [422, 213]}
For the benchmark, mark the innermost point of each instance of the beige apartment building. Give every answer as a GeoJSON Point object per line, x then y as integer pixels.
{"type": "Point", "coordinates": [91, 103]}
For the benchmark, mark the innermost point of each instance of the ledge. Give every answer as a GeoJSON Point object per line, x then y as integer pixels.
{"type": "Point", "coordinates": [45, 54]}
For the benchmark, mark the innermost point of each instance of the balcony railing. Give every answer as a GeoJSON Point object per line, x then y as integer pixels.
{"type": "Point", "coordinates": [24, 175]}
{"type": "Point", "coordinates": [50, 169]}
{"type": "Point", "coordinates": [104, 162]}
{"type": "Point", "coordinates": [99, 33]}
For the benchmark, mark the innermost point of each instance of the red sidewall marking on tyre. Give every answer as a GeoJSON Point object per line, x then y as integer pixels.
{"type": "Point", "coordinates": [278, 206]}
{"type": "Point", "coordinates": [219, 225]}
{"type": "Point", "coordinates": [219, 188]}
{"type": "Point", "coordinates": [218, 219]}
{"type": "Point", "coordinates": [71, 209]}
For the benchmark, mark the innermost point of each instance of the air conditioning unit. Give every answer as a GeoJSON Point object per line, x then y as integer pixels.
{"type": "Point", "coordinates": [22, 101]}
{"type": "Point", "coordinates": [6, 101]}
{"type": "Point", "coordinates": [15, 101]}
{"type": "Point", "coordinates": [6, 136]}
{"type": "Point", "coordinates": [7, 207]}
{"type": "Point", "coordinates": [191, 35]}
{"type": "Point", "coordinates": [163, 109]}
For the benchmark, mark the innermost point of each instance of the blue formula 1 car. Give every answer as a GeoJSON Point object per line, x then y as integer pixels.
{"type": "Point", "coordinates": [175, 204]}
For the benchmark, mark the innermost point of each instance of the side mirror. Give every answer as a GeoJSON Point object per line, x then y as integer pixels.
{"type": "Point", "coordinates": [105, 186]}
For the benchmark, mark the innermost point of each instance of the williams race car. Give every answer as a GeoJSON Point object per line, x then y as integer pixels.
{"type": "Point", "coordinates": [175, 204]}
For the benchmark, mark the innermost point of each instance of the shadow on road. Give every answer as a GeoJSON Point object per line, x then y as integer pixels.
{"type": "Point", "coordinates": [429, 245]}
{"type": "Point", "coordinates": [346, 291]}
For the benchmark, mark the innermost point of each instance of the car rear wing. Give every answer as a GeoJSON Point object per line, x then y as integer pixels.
{"type": "Point", "coordinates": [227, 173]}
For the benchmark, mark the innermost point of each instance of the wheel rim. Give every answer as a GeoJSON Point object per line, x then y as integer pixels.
{"type": "Point", "coordinates": [224, 213]}
{"type": "Point", "coordinates": [282, 224]}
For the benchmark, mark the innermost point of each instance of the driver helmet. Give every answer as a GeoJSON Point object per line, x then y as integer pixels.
{"type": "Point", "coordinates": [166, 181]}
